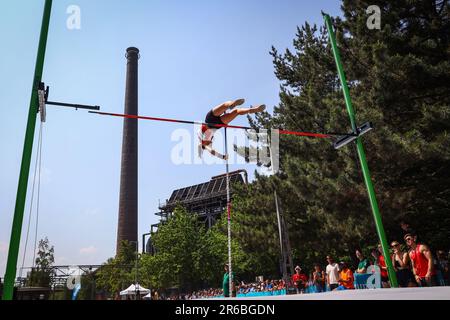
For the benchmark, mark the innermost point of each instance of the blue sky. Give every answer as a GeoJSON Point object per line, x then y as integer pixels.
{"type": "Point", "coordinates": [194, 55]}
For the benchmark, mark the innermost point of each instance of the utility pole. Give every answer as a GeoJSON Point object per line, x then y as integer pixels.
{"type": "Point", "coordinates": [362, 155]}
{"type": "Point", "coordinates": [14, 243]}
{"type": "Point", "coordinates": [285, 246]}
{"type": "Point", "coordinates": [230, 270]}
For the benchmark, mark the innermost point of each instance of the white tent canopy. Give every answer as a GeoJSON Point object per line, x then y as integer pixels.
{"type": "Point", "coordinates": [148, 297]}
{"type": "Point", "coordinates": [133, 290]}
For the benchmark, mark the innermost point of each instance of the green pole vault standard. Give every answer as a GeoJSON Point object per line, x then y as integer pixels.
{"type": "Point", "coordinates": [362, 156]}
{"type": "Point", "coordinates": [16, 231]}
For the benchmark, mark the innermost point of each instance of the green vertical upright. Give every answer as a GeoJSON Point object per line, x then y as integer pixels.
{"type": "Point", "coordinates": [362, 156]}
{"type": "Point", "coordinates": [16, 231]}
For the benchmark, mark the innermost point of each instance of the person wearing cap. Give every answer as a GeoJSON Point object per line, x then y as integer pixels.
{"type": "Point", "coordinates": [401, 263]}
{"type": "Point", "coordinates": [422, 262]}
{"type": "Point", "coordinates": [299, 280]}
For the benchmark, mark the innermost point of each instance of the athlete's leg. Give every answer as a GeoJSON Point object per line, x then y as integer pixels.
{"type": "Point", "coordinates": [228, 117]}
{"type": "Point", "coordinates": [221, 108]}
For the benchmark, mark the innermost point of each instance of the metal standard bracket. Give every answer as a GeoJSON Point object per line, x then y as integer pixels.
{"type": "Point", "coordinates": [42, 96]}
{"type": "Point", "coordinates": [43, 101]}
{"type": "Point", "coordinates": [344, 140]}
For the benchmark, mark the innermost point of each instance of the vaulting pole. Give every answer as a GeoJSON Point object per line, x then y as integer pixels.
{"type": "Point", "coordinates": [362, 156]}
{"type": "Point", "coordinates": [14, 243]}
{"type": "Point", "coordinates": [230, 270]}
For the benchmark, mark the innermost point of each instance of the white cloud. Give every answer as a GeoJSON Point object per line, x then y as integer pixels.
{"type": "Point", "coordinates": [88, 250]}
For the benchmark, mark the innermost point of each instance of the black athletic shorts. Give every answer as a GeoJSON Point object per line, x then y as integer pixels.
{"type": "Point", "coordinates": [212, 119]}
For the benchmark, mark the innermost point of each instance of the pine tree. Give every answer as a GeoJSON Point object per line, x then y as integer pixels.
{"type": "Point", "coordinates": [399, 78]}
{"type": "Point", "coordinates": [42, 274]}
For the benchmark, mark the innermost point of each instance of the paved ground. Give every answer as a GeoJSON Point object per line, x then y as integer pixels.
{"type": "Point", "coordinates": [435, 293]}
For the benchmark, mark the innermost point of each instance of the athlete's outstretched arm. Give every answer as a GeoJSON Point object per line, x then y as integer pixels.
{"type": "Point", "coordinates": [215, 153]}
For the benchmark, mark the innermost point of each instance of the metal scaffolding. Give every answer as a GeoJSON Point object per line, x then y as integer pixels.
{"type": "Point", "coordinates": [208, 200]}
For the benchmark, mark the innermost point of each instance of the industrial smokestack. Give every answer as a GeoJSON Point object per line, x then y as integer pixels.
{"type": "Point", "coordinates": [128, 202]}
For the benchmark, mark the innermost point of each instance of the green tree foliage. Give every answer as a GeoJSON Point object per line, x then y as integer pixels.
{"type": "Point", "coordinates": [187, 256]}
{"type": "Point", "coordinates": [119, 272]}
{"type": "Point", "coordinates": [399, 78]}
{"type": "Point", "coordinates": [41, 275]}
{"type": "Point", "coordinates": [88, 287]}
{"type": "Point", "coordinates": [403, 74]}
{"type": "Point", "coordinates": [178, 253]}
{"type": "Point", "coordinates": [255, 228]}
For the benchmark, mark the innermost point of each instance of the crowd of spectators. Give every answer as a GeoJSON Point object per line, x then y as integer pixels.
{"type": "Point", "coordinates": [413, 262]}
{"type": "Point", "coordinates": [242, 289]}
{"type": "Point", "coordinates": [261, 286]}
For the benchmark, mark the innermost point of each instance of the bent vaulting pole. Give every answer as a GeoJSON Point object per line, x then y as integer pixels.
{"type": "Point", "coordinates": [362, 155]}
{"type": "Point", "coordinates": [128, 202]}
{"type": "Point", "coordinates": [16, 231]}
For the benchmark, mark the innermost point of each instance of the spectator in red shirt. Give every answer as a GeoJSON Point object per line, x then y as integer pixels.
{"type": "Point", "coordinates": [381, 263]}
{"type": "Point", "coordinates": [299, 279]}
{"type": "Point", "coordinates": [422, 262]}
